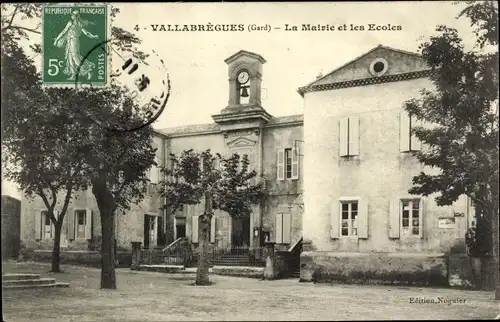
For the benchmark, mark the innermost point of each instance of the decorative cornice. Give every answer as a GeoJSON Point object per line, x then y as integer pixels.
{"type": "Point", "coordinates": [285, 124]}
{"type": "Point", "coordinates": [241, 142]}
{"type": "Point", "coordinates": [366, 81]}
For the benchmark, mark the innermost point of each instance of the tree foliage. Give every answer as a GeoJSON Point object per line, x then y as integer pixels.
{"type": "Point", "coordinates": [461, 117]}
{"type": "Point", "coordinates": [42, 150]}
{"type": "Point", "coordinates": [217, 182]}
{"type": "Point", "coordinates": [232, 186]}
{"type": "Point", "coordinates": [463, 138]}
{"type": "Point", "coordinates": [57, 140]}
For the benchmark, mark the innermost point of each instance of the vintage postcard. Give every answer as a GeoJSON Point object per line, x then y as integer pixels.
{"type": "Point", "coordinates": [250, 161]}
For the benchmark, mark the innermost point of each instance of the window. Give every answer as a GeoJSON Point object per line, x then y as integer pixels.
{"type": "Point", "coordinates": [378, 67]}
{"type": "Point", "coordinates": [154, 172]}
{"type": "Point", "coordinates": [349, 219]}
{"type": "Point", "coordinates": [405, 217]}
{"type": "Point", "coordinates": [287, 164]}
{"type": "Point", "coordinates": [349, 136]}
{"type": "Point", "coordinates": [283, 229]}
{"type": "Point", "coordinates": [47, 225]}
{"type": "Point", "coordinates": [408, 141]}
{"type": "Point", "coordinates": [410, 217]}
{"type": "Point", "coordinates": [80, 223]}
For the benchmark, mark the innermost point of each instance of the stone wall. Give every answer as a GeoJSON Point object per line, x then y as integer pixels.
{"type": "Point", "coordinates": [426, 269]}
{"type": "Point", "coordinates": [375, 268]}
{"type": "Point", "coordinates": [86, 258]}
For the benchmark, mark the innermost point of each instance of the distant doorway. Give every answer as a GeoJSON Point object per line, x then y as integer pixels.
{"type": "Point", "coordinates": [240, 232]}
{"type": "Point", "coordinates": [180, 227]}
{"type": "Point", "coordinates": [150, 231]}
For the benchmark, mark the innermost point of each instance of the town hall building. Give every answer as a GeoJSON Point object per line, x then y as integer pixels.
{"type": "Point", "coordinates": [243, 126]}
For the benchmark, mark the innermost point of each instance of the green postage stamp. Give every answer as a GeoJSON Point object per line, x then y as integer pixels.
{"type": "Point", "coordinates": [71, 38]}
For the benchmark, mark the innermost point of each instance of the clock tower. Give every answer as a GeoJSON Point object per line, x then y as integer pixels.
{"type": "Point", "coordinates": [241, 124]}
{"type": "Point", "coordinates": [245, 79]}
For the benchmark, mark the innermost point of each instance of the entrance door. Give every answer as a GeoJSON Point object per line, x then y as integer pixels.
{"type": "Point", "coordinates": [150, 231]}
{"type": "Point", "coordinates": [180, 227]}
{"type": "Point", "coordinates": [241, 232]}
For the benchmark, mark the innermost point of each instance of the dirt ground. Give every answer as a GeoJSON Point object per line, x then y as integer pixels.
{"type": "Point", "coordinates": [148, 296]}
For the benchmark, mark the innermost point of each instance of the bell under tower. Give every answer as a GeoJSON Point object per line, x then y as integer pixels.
{"type": "Point", "coordinates": [241, 124]}
{"type": "Point", "coordinates": [245, 86]}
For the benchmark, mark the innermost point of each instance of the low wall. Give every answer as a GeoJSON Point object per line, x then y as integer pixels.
{"type": "Point", "coordinates": [87, 258]}
{"type": "Point", "coordinates": [252, 272]}
{"type": "Point", "coordinates": [375, 268]}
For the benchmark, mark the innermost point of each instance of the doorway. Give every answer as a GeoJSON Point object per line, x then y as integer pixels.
{"type": "Point", "coordinates": [150, 231]}
{"type": "Point", "coordinates": [241, 232]}
{"type": "Point", "coordinates": [180, 227]}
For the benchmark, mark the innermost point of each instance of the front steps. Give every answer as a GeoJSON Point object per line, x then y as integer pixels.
{"type": "Point", "coordinates": [29, 281]}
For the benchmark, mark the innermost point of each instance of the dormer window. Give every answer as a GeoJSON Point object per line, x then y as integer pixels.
{"type": "Point", "coordinates": [378, 67]}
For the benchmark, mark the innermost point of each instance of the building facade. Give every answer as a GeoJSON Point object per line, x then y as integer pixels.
{"type": "Point", "coordinates": [360, 219]}
{"type": "Point", "coordinates": [273, 145]}
{"type": "Point", "coordinates": [345, 193]}
{"type": "Point", "coordinates": [11, 226]}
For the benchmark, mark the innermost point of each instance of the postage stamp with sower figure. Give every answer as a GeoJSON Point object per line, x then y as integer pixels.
{"type": "Point", "coordinates": [69, 33]}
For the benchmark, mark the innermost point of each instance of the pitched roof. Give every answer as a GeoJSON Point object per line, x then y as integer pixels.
{"type": "Point", "coordinates": [400, 62]}
{"type": "Point", "coordinates": [190, 129]}
{"type": "Point", "coordinates": [244, 53]}
{"type": "Point", "coordinates": [214, 127]}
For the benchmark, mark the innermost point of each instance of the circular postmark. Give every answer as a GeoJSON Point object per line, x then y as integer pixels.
{"type": "Point", "coordinates": [144, 86]}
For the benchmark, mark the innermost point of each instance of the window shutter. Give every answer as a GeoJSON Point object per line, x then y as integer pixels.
{"type": "Point", "coordinates": [38, 224]}
{"type": "Point", "coordinates": [404, 132]}
{"type": "Point", "coordinates": [415, 144]}
{"type": "Point", "coordinates": [212, 229]}
{"type": "Point", "coordinates": [287, 228]}
{"type": "Point", "coordinates": [295, 163]}
{"type": "Point", "coordinates": [280, 165]}
{"type": "Point", "coordinates": [194, 230]}
{"type": "Point", "coordinates": [70, 225]}
{"type": "Point", "coordinates": [363, 219]}
{"type": "Point", "coordinates": [471, 212]}
{"type": "Point", "coordinates": [354, 135]}
{"type": "Point", "coordinates": [88, 223]}
{"type": "Point", "coordinates": [279, 229]}
{"type": "Point", "coordinates": [217, 164]}
{"type": "Point", "coordinates": [335, 220]}
{"type": "Point", "coordinates": [343, 133]}
{"type": "Point", "coordinates": [394, 222]}
{"type": "Point", "coordinates": [421, 214]}
{"type": "Point", "coordinates": [154, 174]}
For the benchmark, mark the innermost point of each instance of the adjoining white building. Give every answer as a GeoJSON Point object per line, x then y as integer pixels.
{"type": "Point", "coordinates": [360, 222]}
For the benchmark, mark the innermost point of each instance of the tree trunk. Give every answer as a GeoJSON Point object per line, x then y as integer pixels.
{"type": "Point", "coordinates": [56, 250]}
{"type": "Point", "coordinates": [202, 274]}
{"type": "Point", "coordinates": [496, 261]}
{"type": "Point", "coordinates": [108, 274]}
{"type": "Point", "coordinates": [106, 207]}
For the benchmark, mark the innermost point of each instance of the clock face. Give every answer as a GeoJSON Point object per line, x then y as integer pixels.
{"type": "Point", "coordinates": [243, 77]}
